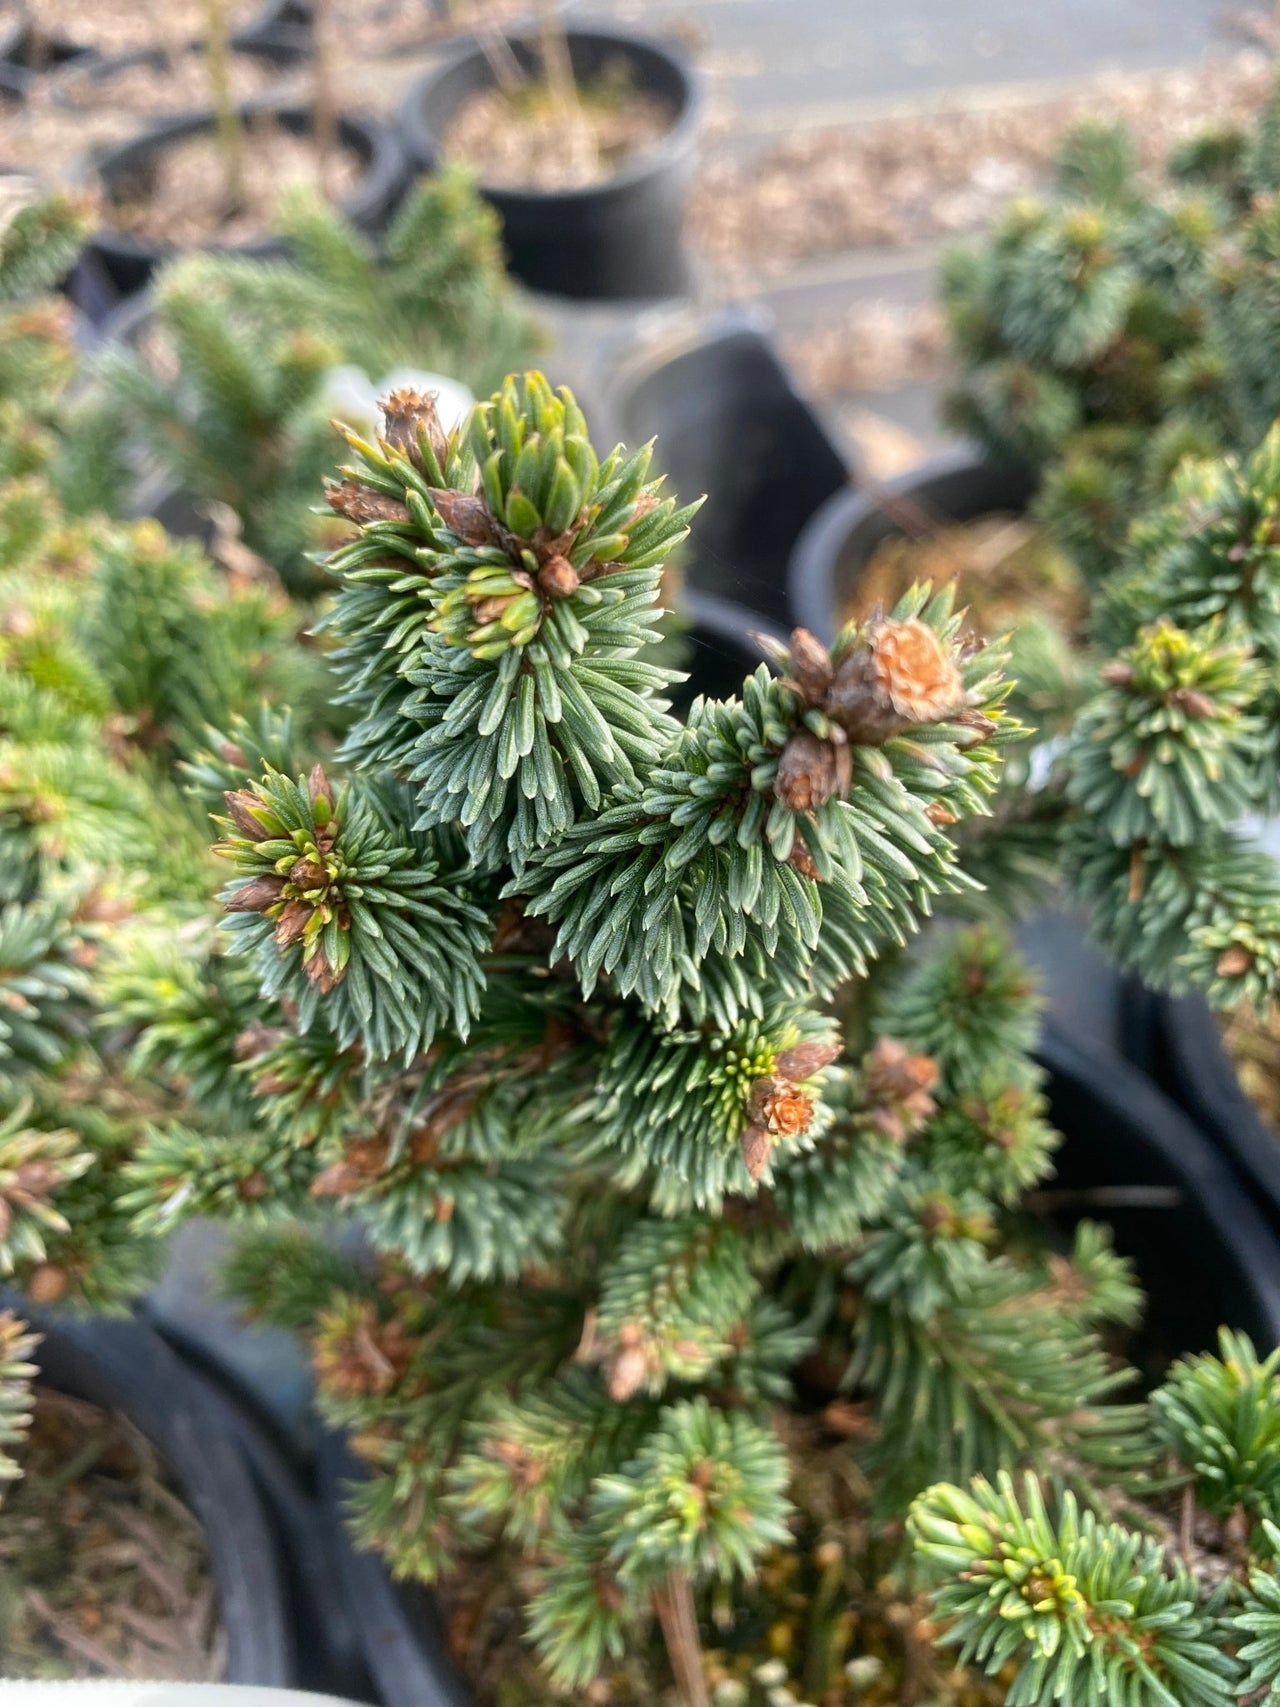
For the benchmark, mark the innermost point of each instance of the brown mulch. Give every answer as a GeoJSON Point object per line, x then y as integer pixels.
{"type": "Point", "coordinates": [47, 135]}
{"type": "Point", "coordinates": [1002, 566]}
{"type": "Point", "coordinates": [117, 26]}
{"type": "Point", "coordinates": [187, 205]}
{"type": "Point", "coordinates": [881, 447]}
{"type": "Point", "coordinates": [904, 180]}
{"type": "Point", "coordinates": [103, 1570]}
{"type": "Point", "coordinates": [1253, 1043]}
{"type": "Point", "coordinates": [527, 142]}
{"type": "Point", "coordinates": [875, 346]}
{"type": "Point", "coordinates": [180, 85]}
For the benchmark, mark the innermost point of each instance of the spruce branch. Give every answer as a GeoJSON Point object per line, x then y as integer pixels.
{"type": "Point", "coordinates": [346, 912]}
{"type": "Point", "coordinates": [1219, 1418]}
{"type": "Point", "coordinates": [694, 1115]}
{"type": "Point", "coordinates": [505, 620]}
{"type": "Point", "coordinates": [976, 1362]}
{"type": "Point", "coordinates": [702, 1498]}
{"type": "Point", "coordinates": [17, 1371]}
{"type": "Point", "coordinates": [971, 1007]}
{"type": "Point", "coordinates": [38, 243]}
{"type": "Point", "coordinates": [672, 1299]}
{"type": "Point", "coordinates": [34, 1165]}
{"type": "Point", "coordinates": [1081, 1608]}
{"type": "Point", "coordinates": [528, 1461]}
{"type": "Point", "coordinates": [42, 984]}
{"type": "Point", "coordinates": [1165, 752]}
{"type": "Point", "coordinates": [1257, 1629]}
{"type": "Point", "coordinates": [838, 775]}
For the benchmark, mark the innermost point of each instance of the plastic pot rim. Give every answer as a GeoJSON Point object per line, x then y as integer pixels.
{"type": "Point", "coordinates": [372, 195]}
{"type": "Point", "coordinates": [670, 150]}
{"type": "Point", "coordinates": [818, 547]}
{"type": "Point", "coordinates": [123, 1365]}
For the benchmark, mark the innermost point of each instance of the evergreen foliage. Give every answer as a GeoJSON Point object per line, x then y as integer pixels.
{"type": "Point", "coordinates": [118, 645]}
{"type": "Point", "coordinates": [1082, 1608]}
{"type": "Point", "coordinates": [17, 1344]}
{"type": "Point", "coordinates": [1173, 758]}
{"type": "Point", "coordinates": [549, 994]}
{"type": "Point", "coordinates": [224, 392]}
{"type": "Point", "coordinates": [688, 1196]}
{"type": "Point", "coordinates": [1121, 325]}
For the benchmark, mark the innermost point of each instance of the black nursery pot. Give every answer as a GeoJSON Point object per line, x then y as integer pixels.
{"type": "Point", "coordinates": [124, 1366]}
{"type": "Point", "coordinates": [1204, 1256]}
{"type": "Point", "coordinates": [398, 1623]}
{"type": "Point", "coordinates": [98, 70]}
{"type": "Point", "coordinates": [125, 170]}
{"type": "Point", "coordinates": [619, 239]}
{"type": "Point", "coordinates": [26, 46]}
{"type": "Point", "coordinates": [730, 422]}
{"type": "Point", "coordinates": [1179, 1043]}
{"type": "Point", "coordinates": [723, 650]}
{"type": "Point", "coordinates": [281, 26]}
{"type": "Point", "coordinates": [15, 83]}
{"type": "Point", "coordinates": [330, 1655]}
{"type": "Point", "coordinates": [836, 545]}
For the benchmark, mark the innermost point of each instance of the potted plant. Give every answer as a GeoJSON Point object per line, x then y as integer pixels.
{"type": "Point", "coordinates": [111, 94]}
{"type": "Point", "coordinates": [127, 1452]}
{"type": "Point", "coordinates": [117, 645]}
{"type": "Point", "coordinates": [116, 27]}
{"type": "Point", "coordinates": [81, 756]}
{"type": "Point", "coordinates": [582, 139]}
{"type": "Point", "coordinates": [694, 1242]}
{"type": "Point", "coordinates": [1100, 336]}
{"type": "Point", "coordinates": [214, 178]}
{"type": "Point", "coordinates": [1170, 778]}
{"type": "Point", "coordinates": [266, 353]}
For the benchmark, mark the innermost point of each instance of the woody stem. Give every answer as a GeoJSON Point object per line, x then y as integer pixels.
{"type": "Point", "coordinates": [673, 1603]}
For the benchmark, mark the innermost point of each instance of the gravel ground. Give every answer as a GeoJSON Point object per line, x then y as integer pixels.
{"type": "Point", "coordinates": [875, 346]}
{"type": "Point", "coordinates": [904, 180]}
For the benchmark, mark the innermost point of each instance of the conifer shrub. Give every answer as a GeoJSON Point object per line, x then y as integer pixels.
{"type": "Point", "coordinates": [117, 647]}
{"type": "Point", "coordinates": [692, 1251]}
{"type": "Point", "coordinates": [224, 393]}
{"type": "Point", "coordinates": [1107, 331]}
{"type": "Point", "coordinates": [694, 1330]}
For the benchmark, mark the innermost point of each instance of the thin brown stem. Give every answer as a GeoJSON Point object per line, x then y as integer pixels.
{"type": "Point", "coordinates": [1104, 1197]}
{"type": "Point", "coordinates": [562, 85]}
{"type": "Point", "coordinates": [230, 133]}
{"type": "Point", "coordinates": [507, 71]}
{"type": "Point", "coordinates": [1186, 1523]}
{"type": "Point", "coordinates": [678, 1621]}
{"type": "Point", "coordinates": [557, 67]}
{"type": "Point", "coordinates": [324, 101]}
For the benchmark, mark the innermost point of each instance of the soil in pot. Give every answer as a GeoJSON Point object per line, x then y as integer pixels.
{"type": "Point", "coordinates": [183, 198]}
{"type": "Point", "coordinates": [380, 28]}
{"type": "Point", "coordinates": [1253, 1043]}
{"type": "Point", "coordinates": [868, 1641]}
{"type": "Point", "coordinates": [75, 112]}
{"type": "Point", "coordinates": [104, 1572]}
{"type": "Point", "coordinates": [1004, 568]}
{"type": "Point", "coordinates": [118, 26]}
{"type": "Point", "coordinates": [144, 85]}
{"type": "Point", "coordinates": [539, 137]}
